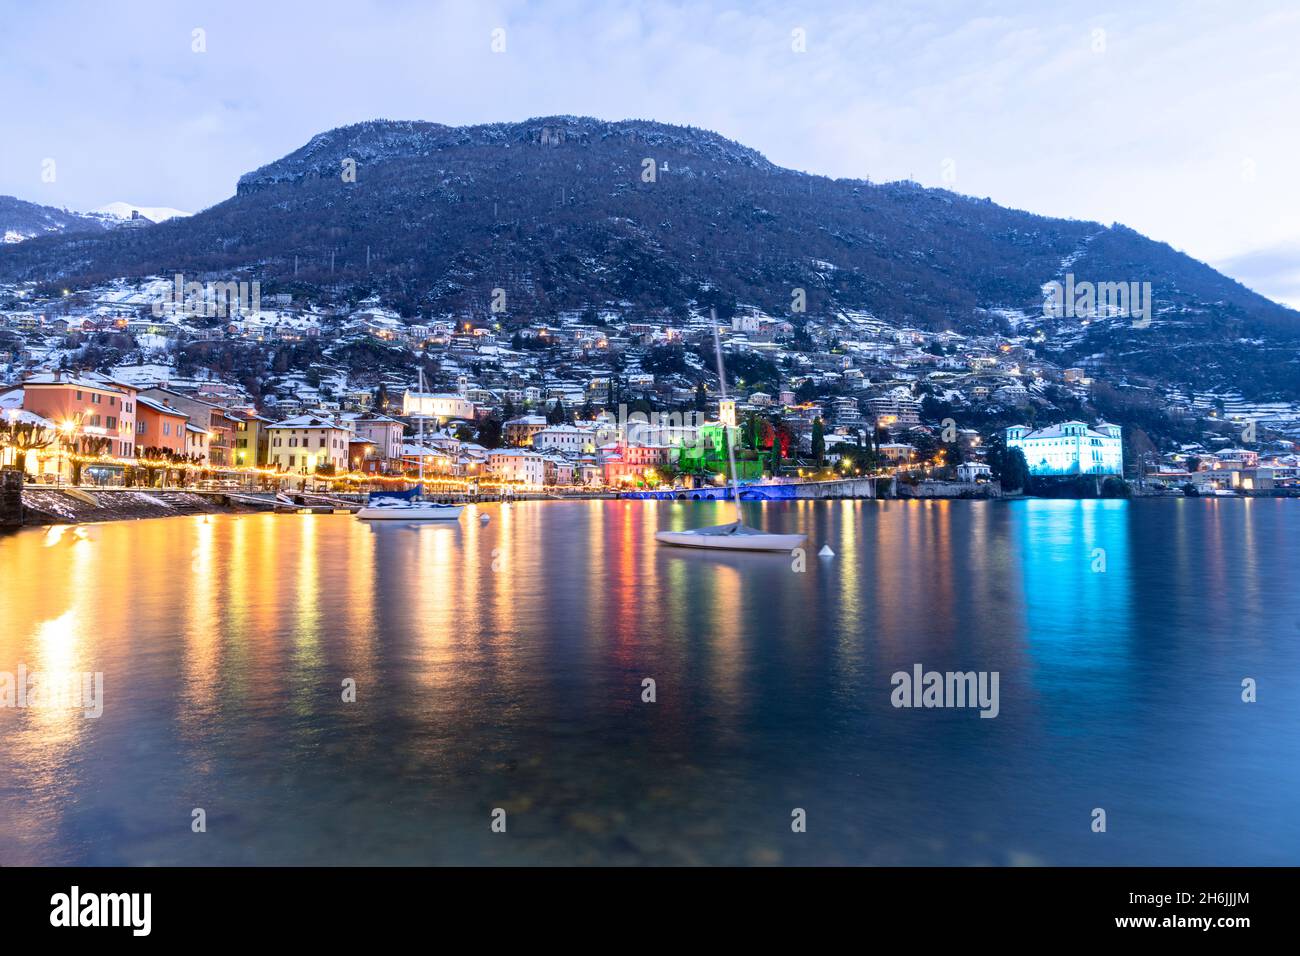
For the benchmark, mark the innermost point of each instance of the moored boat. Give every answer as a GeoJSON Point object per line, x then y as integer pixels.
{"type": "Point", "coordinates": [399, 509]}
{"type": "Point", "coordinates": [732, 537]}
{"type": "Point", "coordinates": [735, 536]}
{"type": "Point", "coordinates": [407, 505]}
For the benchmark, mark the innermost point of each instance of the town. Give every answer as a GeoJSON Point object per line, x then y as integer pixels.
{"type": "Point", "coordinates": [101, 387]}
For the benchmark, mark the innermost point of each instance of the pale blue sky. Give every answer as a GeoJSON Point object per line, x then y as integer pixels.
{"type": "Point", "coordinates": [1178, 119]}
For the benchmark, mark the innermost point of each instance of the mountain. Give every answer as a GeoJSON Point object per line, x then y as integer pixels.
{"type": "Point", "coordinates": [127, 212]}
{"type": "Point", "coordinates": [21, 220]}
{"type": "Point", "coordinates": [558, 213]}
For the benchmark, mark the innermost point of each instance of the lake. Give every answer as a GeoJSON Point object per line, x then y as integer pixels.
{"type": "Point", "coordinates": [502, 666]}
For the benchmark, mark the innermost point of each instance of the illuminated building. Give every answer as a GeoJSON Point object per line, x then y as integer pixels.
{"type": "Point", "coordinates": [1070, 448]}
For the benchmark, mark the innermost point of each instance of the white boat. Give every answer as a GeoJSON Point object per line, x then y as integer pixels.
{"type": "Point", "coordinates": [398, 509]}
{"type": "Point", "coordinates": [733, 537]}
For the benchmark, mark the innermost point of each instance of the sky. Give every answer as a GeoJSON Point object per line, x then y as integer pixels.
{"type": "Point", "coordinates": [1178, 119]}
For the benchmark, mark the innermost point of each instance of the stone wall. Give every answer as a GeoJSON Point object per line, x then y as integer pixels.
{"type": "Point", "coordinates": [11, 498]}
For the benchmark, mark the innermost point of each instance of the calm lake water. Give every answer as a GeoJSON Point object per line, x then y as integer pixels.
{"type": "Point", "coordinates": [501, 665]}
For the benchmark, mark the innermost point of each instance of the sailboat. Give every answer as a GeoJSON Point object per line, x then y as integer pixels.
{"type": "Point", "coordinates": [406, 505]}
{"type": "Point", "coordinates": [735, 535]}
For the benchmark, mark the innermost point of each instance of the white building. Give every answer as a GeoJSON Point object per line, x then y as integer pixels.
{"type": "Point", "coordinates": [440, 405]}
{"type": "Point", "coordinates": [517, 466]}
{"type": "Point", "coordinates": [1070, 448]}
{"type": "Point", "coordinates": [974, 471]}
{"type": "Point", "coordinates": [569, 439]}
{"type": "Point", "coordinates": [382, 432]}
{"type": "Point", "coordinates": [303, 445]}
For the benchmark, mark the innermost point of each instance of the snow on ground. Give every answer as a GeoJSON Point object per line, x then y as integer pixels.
{"type": "Point", "coordinates": [123, 210]}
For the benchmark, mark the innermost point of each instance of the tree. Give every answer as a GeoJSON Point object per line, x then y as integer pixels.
{"type": "Point", "coordinates": [701, 397]}
{"type": "Point", "coordinates": [92, 446]}
{"type": "Point", "coordinates": [24, 437]}
{"type": "Point", "coordinates": [776, 447]}
{"type": "Point", "coordinates": [557, 415]}
{"type": "Point", "coordinates": [818, 441]}
{"type": "Point", "coordinates": [489, 433]}
{"type": "Point", "coordinates": [1015, 471]}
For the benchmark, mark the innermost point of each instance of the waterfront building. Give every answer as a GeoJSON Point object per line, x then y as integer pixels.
{"type": "Point", "coordinates": [218, 446]}
{"type": "Point", "coordinates": [308, 444]}
{"type": "Point", "coordinates": [196, 443]}
{"type": "Point", "coordinates": [159, 426]}
{"type": "Point", "coordinates": [974, 471]}
{"type": "Point", "coordinates": [558, 470]}
{"type": "Point", "coordinates": [626, 464]}
{"type": "Point", "coordinates": [707, 456]}
{"type": "Point", "coordinates": [94, 416]}
{"type": "Point", "coordinates": [1070, 448]}
{"type": "Point", "coordinates": [252, 443]}
{"type": "Point", "coordinates": [517, 466]}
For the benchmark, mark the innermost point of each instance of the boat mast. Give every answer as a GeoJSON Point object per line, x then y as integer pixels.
{"type": "Point", "coordinates": [726, 438]}
{"type": "Point", "coordinates": [420, 406]}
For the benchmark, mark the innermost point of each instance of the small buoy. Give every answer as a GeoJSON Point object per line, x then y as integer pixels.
{"type": "Point", "coordinates": [484, 519]}
{"type": "Point", "coordinates": [826, 552]}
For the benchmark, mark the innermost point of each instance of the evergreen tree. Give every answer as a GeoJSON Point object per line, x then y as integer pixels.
{"type": "Point", "coordinates": [818, 441]}
{"type": "Point", "coordinates": [489, 433]}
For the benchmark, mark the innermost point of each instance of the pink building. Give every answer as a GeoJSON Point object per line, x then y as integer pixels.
{"type": "Point", "coordinates": [158, 426]}
{"type": "Point", "coordinates": [627, 464]}
{"type": "Point", "coordinates": [85, 409]}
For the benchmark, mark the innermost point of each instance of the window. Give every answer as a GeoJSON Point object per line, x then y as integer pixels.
{"type": "Point", "coordinates": [139, 427]}
{"type": "Point", "coordinates": [167, 428]}
{"type": "Point", "coordinates": [78, 394]}
{"type": "Point", "coordinates": [112, 399]}
{"type": "Point", "coordinates": [291, 458]}
{"type": "Point", "coordinates": [110, 422]}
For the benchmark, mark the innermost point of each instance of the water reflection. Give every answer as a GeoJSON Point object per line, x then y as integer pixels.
{"type": "Point", "coordinates": [502, 664]}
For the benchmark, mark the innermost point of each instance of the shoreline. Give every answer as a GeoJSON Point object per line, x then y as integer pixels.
{"type": "Point", "coordinates": [44, 507]}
